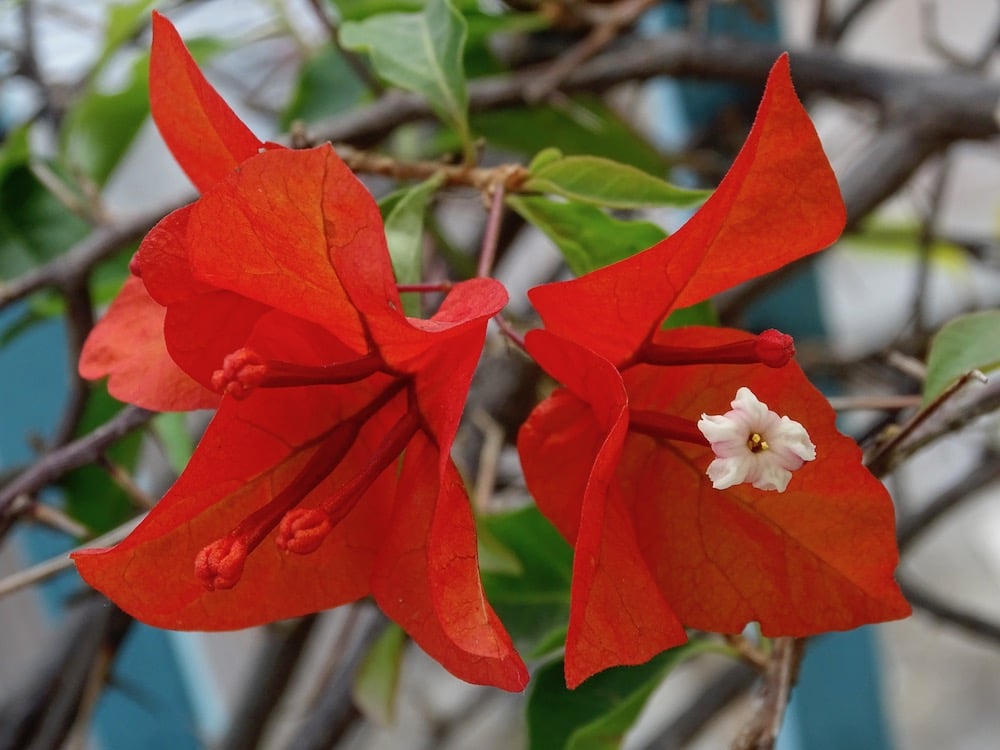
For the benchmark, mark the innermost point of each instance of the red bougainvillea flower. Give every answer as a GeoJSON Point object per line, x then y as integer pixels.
{"type": "Point", "coordinates": [795, 533]}
{"type": "Point", "coordinates": [325, 475]}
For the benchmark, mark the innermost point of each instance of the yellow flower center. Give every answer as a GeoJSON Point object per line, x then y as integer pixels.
{"type": "Point", "coordinates": [756, 443]}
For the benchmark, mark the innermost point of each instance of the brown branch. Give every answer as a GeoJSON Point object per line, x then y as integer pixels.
{"type": "Point", "coordinates": [971, 623]}
{"type": "Point", "coordinates": [782, 671]}
{"type": "Point", "coordinates": [912, 526]}
{"type": "Point", "coordinates": [85, 450]}
{"type": "Point", "coordinates": [76, 263]}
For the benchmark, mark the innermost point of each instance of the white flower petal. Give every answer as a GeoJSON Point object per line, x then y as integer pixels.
{"type": "Point", "coordinates": [768, 468]}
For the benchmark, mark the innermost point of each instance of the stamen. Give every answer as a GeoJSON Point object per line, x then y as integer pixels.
{"type": "Point", "coordinates": [302, 530]}
{"type": "Point", "coordinates": [244, 370]}
{"type": "Point", "coordinates": [219, 565]}
{"type": "Point", "coordinates": [756, 443]}
{"type": "Point", "coordinates": [665, 426]}
{"type": "Point", "coordinates": [772, 348]}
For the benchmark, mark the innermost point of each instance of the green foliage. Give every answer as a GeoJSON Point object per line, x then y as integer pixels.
{"type": "Point", "coordinates": [587, 237]}
{"type": "Point", "coordinates": [100, 127]}
{"type": "Point", "coordinates": [584, 124]}
{"type": "Point", "coordinates": [420, 52]}
{"type": "Point", "coordinates": [969, 342]}
{"type": "Point", "coordinates": [326, 86]}
{"type": "Point", "coordinates": [603, 182]}
{"type": "Point", "coordinates": [34, 226]}
{"type": "Point", "coordinates": [597, 714]}
{"type": "Point", "coordinates": [403, 213]}
{"type": "Point", "coordinates": [375, 684]}
{"type": "Point", "coordinates": [533, 602]}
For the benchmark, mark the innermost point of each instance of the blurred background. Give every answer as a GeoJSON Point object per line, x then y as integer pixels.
{"type": "Point", "coordinates": [901, 92]}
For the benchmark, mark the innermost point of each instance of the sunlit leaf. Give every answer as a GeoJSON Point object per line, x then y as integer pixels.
{"type": "Point", "coordinates": [593, 179]}
{"type": "Point", "coordinates": [596, 715]}
{"type": "Point", "coordinates": [420, 52]}
{"type": "Point", "coordinates": [535, 601]}
{"type": "Point", "coordinates": [969, 342]}
{"type": "Point", "coordinates": [587, 237]}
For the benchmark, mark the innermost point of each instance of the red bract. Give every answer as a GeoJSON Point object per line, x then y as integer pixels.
{"type": "Point", "coordinates": [615, 458]}
{"type": "Point", "coordinates": [325, 475]}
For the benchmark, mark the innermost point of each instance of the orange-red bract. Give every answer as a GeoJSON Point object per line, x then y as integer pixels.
{"type": "Point", "coordinates": [656, 547]}
{"type": "Point", "coordinates": [284, 254]}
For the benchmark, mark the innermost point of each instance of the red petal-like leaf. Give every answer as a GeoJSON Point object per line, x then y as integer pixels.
{"type": "Point", "coordinates": [251, 450]}
{"type": "Point", "coordinates": [128, 347]}
{"type": "Point", "coordinates": [427, 575]}
{"type": "Point", "coordinates": [286, 230]}
{"type": "Point", "coordinates": [618, 614]}
{"type": "Point", "coordinates": [441, 353]}
{"type": "Point", "coordinates": [205, 136]}
{"type": "Point", "coordinates": [819, 556]}
{"type": "Point", "coordinates": [779, 202]}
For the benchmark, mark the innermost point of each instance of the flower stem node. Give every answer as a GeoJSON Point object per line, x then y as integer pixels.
{"type": "Point", "coordinates": [303, 530]}
{"type": "Point", "coordinates": [219, 565]}
{"type": "Point", "coordinates": [753, 444]}
{"type": "Point", "coordinates": [241, 372]}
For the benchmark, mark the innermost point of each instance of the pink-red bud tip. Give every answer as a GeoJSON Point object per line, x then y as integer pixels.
{"type": "Point", "coordinates": [774, 348]}
{"type": "Point", "coordinates": [133, 266]}
{"type": "Point", "coordinates": [302, 530]}
{"type": "Point", "coordinates": [219, 565]}
{"type": "Point", "coordinates": [241, 372]}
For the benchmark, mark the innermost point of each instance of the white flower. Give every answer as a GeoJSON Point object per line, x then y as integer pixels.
{"type": "Point", "coordinates": [753, 444]}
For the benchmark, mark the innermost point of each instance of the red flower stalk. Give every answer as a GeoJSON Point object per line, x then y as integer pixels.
{"type": "Point", "coordinates": [325, 475]}
{"type": "Point", "coordinates": [617, 458]}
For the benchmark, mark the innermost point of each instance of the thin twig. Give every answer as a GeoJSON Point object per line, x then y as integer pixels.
{"type": "Point", "coordinates": [874, 403]}
{"type": "Point", "coordinates": [971, 623]}
{"type": "Point", "coordinates": [614, 19]}
{"type": "Point", "coordinates": [356, 62]}
{"type": "Point", "coordinates": [888, 454]}
{"type": "Point", "coordinates": [77, 262]}
{"type": "Point", "coordinates": [491, 234]}
{"type": "Point", "coordinates": [911, 527]}
{"type": "Point", "coordinates": [46, 569]}
{"type": "Point", "coordinates": [84, 450]}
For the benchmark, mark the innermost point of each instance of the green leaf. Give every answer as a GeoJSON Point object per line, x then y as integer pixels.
{"type": "Point", "coordinates": [124, 20]}
{"type": "Point", "coordinates": [34, 226]}
{"type": "Point", "coordinates": [535, 601]}
{"type": "Point", "coordinates": [174, 437]}
{"type": "Point", "coordinates": [327, 86]}
{"type": "Point", "coordinates": [378, 676]}
{"type": "Point", "coordinates": [420, 52]}
{"type": "Point", "coordinates": [969, 342]}
{"type": "Point", "coordinates": [699, 314]}
{"type": "Point", "coordinates": [100, 127]}
{"type": "Point", "coordinates": [597, 714]}
{"type": "Point", "coordinates": [403, 213]}
{"type": "Point", "coordinates": [581, 125]}
{"type": "Point", "coordinates": [587, 237]}
{"type": "Point", "coordinates": [593, 179]}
